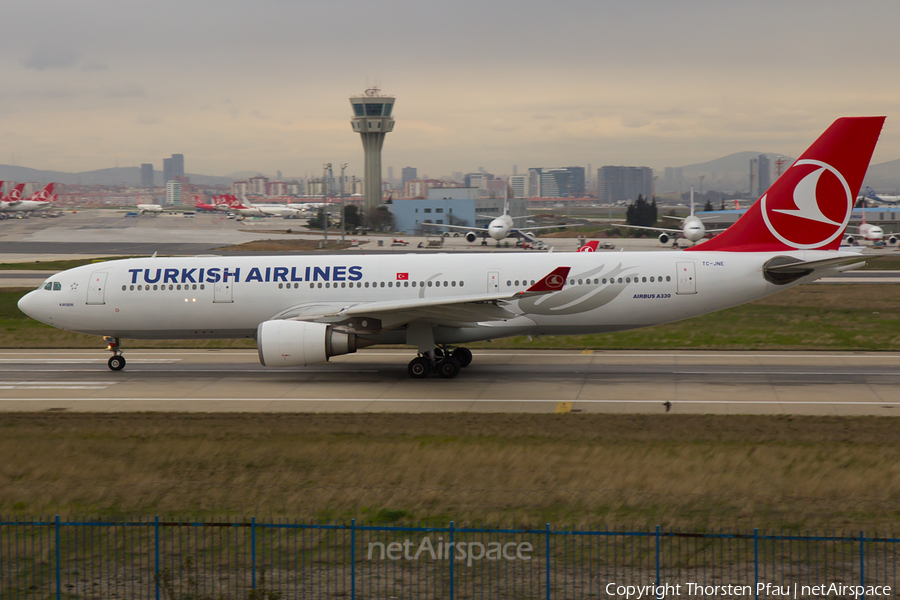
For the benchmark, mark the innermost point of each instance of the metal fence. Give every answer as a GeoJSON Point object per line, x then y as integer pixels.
{"type": "Point", "coordinates": [174, 559]}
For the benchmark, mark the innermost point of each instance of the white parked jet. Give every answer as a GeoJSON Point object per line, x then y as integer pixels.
{"type": "Point", "coordinates": [692, 227]}
{"type": "Point", "coordinates": [499, 229]}
{"type": "Point", "coordinates": [38, 201]}
{"type": "Point", "coordinates": [304, 309]}
{"type": "Point", "coordinates": [869, 232]}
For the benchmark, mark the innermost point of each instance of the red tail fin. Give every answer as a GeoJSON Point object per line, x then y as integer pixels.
{"type": "Point", "coordinates": [45, 193]}
{"type": "Point", "coordinates": [16, 194]}
{"type": "Point", "coordinates": [809, 206]}
{"type": "Point", "coordinates": [590, 246]}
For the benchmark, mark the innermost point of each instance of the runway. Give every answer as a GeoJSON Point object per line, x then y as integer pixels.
{"type": "Point", "coordinates": [497, 381]}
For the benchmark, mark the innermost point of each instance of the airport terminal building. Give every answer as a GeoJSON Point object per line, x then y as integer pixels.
{"type": "Point", "coordinates": [451, 206]}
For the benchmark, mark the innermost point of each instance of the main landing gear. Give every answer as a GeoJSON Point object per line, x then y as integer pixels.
{"type": "Point", "coordinates": [117, 361]}
{"type": "Point", "coordinates": [447, 363]}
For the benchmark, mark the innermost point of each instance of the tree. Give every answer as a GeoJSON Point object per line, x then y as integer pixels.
{"type": "Point", "coordinates": [352, 218]}
{"type": "Point", "coordinates": [316, 221]}
{"type": "Point", "coordinates": [381, 219]}
{"type": "Point", "coordinates": [641, 213]}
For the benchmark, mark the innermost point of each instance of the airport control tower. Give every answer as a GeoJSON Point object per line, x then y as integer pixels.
{"type": "Point", "coordinates": [372, 120]}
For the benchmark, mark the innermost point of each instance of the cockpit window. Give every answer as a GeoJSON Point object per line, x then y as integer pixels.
{"type": "Point", "coordinates": [57, 286]}
{"type": "Point", "coordinates": [48, 286]}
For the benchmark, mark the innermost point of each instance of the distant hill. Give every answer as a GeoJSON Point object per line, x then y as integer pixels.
{"type": "Point", "coordinates": [884, 177]}
{"type": "Point", "coordinates": [114, 176]}
{"type": "Point", "coordinates": [728, 173]}
{"type": "Point", "coordinates": [732, 172]}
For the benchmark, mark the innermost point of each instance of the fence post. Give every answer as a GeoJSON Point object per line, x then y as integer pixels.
{"type": "Point", "coordinates": [156, 553]}
{"type": "Point", "coordinates": [452, 555]}
{"type": "Point", "coordinates": [352, 559]}
{"type": "Point", "coordinates": [862, 564]}
{"type": "Point", "coordinates": [755, 562]}
{"type": "Point", "coordinates": [253, 553]}
{"type": "Point", "coordinates": [657, 558]}
{"type": "Point", "coordinates": [58, 568]}
{"type": "Point", "coordinates": [547, 549]}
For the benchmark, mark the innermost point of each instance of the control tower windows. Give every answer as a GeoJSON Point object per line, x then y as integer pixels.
{"type": "Point", "coordinates": [373, 110]}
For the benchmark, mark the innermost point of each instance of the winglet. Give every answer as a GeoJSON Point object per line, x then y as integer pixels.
{"type": "Point", "coordinates": [552, 282]}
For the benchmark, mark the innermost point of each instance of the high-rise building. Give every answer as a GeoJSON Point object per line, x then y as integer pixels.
{"type": "Point", "coordinates": [146, 175]}
{"type": "Point", "coordinates": [408, 174]}
{"type": "Point", "coordinates": [619, 184]}
{"type": "Point", "coordinates": [168, 170]}
{"type": "Point", "coordinates": [562, 182]}
{"type": "Point", "coordinates": [259, 186]}
{"type": "Point", "coordinates": [518, 186]}
{"type": "Point", "coordinates": [173, 192]}
{"type": "Point", "coordinates": [372, 121]}
{"type": "Point", "coordinates": [178, 165]}
{"type": "Point", "coordinates": [240, 188]}
{"type": "Point", "coordinates": [765, 171]}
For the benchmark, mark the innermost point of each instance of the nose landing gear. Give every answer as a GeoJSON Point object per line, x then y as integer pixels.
{"type": "Point", "coordinates": [447, 363]}
{"type": "Point", "coordinates": [117, 361]}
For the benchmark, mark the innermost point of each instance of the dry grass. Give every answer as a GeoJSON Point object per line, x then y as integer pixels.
{"type": "Point", "coordinates": [530, 469]}
{"type": "Point", "coordinates": [286, 246]}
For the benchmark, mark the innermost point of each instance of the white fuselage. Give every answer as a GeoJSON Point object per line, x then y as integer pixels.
{"type": "Point", "coordinates": [500, 227]}
{"type": "Point", "coordinates": [228, 297]}
{"type": "Point", "coordinates": [693, 228]}
{"type": "Point", "coordinates": [870, 232]}
{"type": "Point", "coordinates": [154, 208]}
{"type": "Point", "coordinates": [25, 206]}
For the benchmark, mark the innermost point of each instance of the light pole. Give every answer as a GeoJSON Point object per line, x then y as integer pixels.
{"type": "Point", "coordinates": [325, 168]}
{"type": "Point", "coordinates": [343, 208]}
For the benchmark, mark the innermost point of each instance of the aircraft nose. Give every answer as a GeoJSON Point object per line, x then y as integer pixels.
{"type": "Point", "coordinates": [28, 304]}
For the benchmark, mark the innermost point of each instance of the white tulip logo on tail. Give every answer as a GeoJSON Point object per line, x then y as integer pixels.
{"type": "Point", "coordinates": [818, 210]}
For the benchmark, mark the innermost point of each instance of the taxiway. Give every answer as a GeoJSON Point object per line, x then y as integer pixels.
{"type": "Point", "coordinates": [497, 381]}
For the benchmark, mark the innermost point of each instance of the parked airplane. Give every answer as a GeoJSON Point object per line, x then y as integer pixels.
{"type": "Point", "coordinates": [202, 206]}
{"type": "Point", "coordinates": [38, 201]}
{"type": "Point", "coordinates": [14, 197]}
{"type": "Point", "coordinates": [499, 229]}
{"type": "Point", "coordinates": [692, 227]}
{"type": "Point", "coordinates": [304, 309]}
{"type": "Point", "coordinates": [869, 232]}
{"type": "Point", "coordinates": [231, 203]}
{"type": "Point", "coordinates": [884, 199]}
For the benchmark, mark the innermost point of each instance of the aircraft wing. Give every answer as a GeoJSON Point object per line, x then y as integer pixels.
{"type": "Point", "coordinates": [785, 269]}
{"type": "Point", "coordinates": [547, 227]}
{"type": "Point", "coordinates": [460, 227]}
{"type": "Point", "coordinates": [666, 229]}
{"type": "Point", "coordinates": [452, 311]}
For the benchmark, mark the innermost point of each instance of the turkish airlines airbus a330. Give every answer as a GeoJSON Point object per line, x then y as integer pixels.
{"type": "Point", "coordinates": [304, 309]}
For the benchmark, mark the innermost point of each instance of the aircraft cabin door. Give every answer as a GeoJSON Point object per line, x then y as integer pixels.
{"type": "Point", "coordinates": [493, 282]}
{"type": "Point", "coordinates": [686, 278]}
{"type": "Point", "coordinates": [223, 291]}
{"type": "Point", "coordinates": [97, 288]}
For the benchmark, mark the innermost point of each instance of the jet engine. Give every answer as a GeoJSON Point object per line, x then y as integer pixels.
{"type": "Point", "coordinates": [471, 237]}
{"type": "Point", "coordinates": [300, 343]}
{"type": "Point", "coordinates": [663, 238]}
{"type": "Point", "coordinates": [849, 240]}
{"type": "Point", "coordinates": [892, 240]}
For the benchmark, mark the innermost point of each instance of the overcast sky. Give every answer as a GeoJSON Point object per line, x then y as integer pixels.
{"type": "Point", "coordinates": [264, 85]}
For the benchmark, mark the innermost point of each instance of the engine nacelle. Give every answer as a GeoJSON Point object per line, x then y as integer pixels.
{"type": "Point", "coordinates": [663, 238]}
{"type": "Point", "coordinates": [849, 240]}
{"type": "Point", "coordinates": [892, 240]}
{"type": "Point", "coordinates": [300, 343]}
{"type": "Point", "coordinates": [471, 237]}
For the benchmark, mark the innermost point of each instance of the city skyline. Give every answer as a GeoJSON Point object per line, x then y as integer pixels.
{"type": "Point", "coordinates": [237, 89]}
